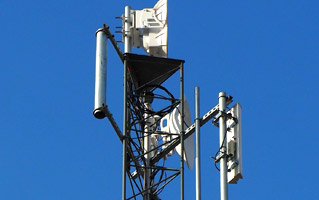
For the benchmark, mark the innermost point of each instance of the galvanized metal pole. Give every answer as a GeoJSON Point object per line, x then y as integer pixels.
{"type": "Point", "coordinates": [147, 171]}
{"type": "Point", "coordinates": [127, 49]}
{"type": "Point", "coordinates": [197, 145]}
{"type": "Point", "coordinates": [127, 33]}
{"type": "Point", "coordinates": [100, 73]}
{"type": "Point", "coordinates": [182, 129]}
{"type": "Point", "coordinates": [125, 122]}
{"type": "Point", "coordinates": [222, 143]}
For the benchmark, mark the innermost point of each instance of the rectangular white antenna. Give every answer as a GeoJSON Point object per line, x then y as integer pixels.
{"type": "Point", "coordinates": [234, 141]}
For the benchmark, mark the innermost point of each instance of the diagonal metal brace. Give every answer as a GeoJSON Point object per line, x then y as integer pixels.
{"type": "Point", "coordinates": [120, 135]}
{"type": "Point", "coordinates": [189, 131]}
{"type": "Point", "coordinates": [106, 30]}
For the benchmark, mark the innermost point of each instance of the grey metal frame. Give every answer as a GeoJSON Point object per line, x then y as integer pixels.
{"type": "Point", "coordinates": [129, 146]}
{"type": "Point", "coordinates": [133, 157]}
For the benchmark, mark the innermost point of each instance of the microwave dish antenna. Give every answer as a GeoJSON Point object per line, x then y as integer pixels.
{"type": "Point", "coordinates": [171, 123]}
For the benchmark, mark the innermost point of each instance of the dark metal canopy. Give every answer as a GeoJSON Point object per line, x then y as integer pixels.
{"type": "Point", "coordinates": [150, 70]}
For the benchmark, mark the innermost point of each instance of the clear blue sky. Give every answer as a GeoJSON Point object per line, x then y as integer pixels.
{"type": "Point", "coordinates": [263, 53]}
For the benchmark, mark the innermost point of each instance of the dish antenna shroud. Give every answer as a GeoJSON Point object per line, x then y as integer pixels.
{"type": "Point", "coordinates": [171, 123]}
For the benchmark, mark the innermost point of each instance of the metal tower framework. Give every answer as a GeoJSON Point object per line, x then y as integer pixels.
{"type": "Point", "coordinates": [144, 149]}
{"type": "Point", "coordinates": [143, 76]}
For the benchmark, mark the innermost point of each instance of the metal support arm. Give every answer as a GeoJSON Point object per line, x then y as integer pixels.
{"type": "Point", "coordinates": [110, 36]}
{"type": "Point", "coordinates": [189, 131]}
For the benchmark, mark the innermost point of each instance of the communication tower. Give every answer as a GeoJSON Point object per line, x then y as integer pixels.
{"type": "Point", "coordinates": [151, 133]}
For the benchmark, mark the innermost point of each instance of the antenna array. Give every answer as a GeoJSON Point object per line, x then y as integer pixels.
{"type": "Point", "coordinates": [150, 135]}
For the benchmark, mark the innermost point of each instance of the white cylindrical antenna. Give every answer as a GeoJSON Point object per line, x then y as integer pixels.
{"type": "Point", "coordinates": [100, 74]}
{"type": "Point", "coordinates": [127, 29]}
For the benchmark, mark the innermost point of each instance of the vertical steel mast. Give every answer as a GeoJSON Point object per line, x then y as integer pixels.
{"type": "Point", "coordinates": [147, 148]}
{"type": "Point", "coordinates": [127, 49]}
{"type": "Point", "coordinates": [197, 145]}
{"type": "Point", "coordinates": [182, 128]}
{"type": "Point", "coordinates": [222, 142]}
